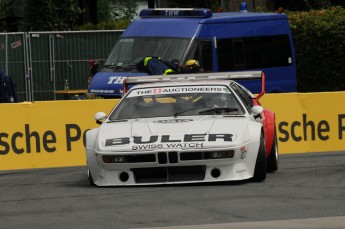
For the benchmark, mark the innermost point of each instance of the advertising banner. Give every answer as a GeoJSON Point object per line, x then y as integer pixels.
{"type": "Point", "coordinates": [308, 122]}
{"type": "Point", "coordinates": [52, 133]}
{"type": "Point", "coordinates": [47, 134]}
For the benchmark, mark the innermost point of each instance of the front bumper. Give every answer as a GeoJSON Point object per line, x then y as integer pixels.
{"type": "Point", "coordinates": [171, 167]}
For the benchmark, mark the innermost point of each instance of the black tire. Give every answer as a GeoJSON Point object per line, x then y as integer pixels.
{"type": "Point", "coordinates": [261, 163]}
{"type": "Point", "coordinates": [89, 177]}
{"type": "Point", "coordinates": [273, 158]}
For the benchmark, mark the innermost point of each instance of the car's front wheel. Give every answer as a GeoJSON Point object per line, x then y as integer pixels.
{"type": "Point", "coordinates": [261, 163]}
{"type": "Point", "coordinates": [89, 177]}
{"type": "Point", "coordinates": [273, 158]}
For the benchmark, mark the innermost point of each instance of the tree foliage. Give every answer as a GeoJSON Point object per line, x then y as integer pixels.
{"type": "Point", "coordinates": [50, 15]}
{"type": "Point", "coordinates": [209, 4]}
{"type": "Point", "coordinates": [8, 10]}
{"type": "Point", "coordinates": [306, 5]}
{"type": "Point", "coordinates": [3, 13]}
{"type": "Point", "coordinates": [123, 9]}
{"type": "Point", "coordinates": [106, 25]}
{"type": "Point", "coordinates": [319, 38]}
{"type": "Point", "coordinates": [113, 14]}
{"type": "Point", "coordinates": [103, 11]}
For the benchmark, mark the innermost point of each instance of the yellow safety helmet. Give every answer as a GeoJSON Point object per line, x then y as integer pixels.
{"type": "Point", "coordinates": [192, 63]}
{"type": "Point", "coordinates": [191, 66]}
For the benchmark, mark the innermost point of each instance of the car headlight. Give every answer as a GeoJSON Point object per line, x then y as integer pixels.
{"type": "Point", "coordinates": [221, 154]}
{"type": "Point", "coordinates": [114, 159]}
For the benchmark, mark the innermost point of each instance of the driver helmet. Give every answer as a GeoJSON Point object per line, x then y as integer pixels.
{"type": "Point", "coordinates": [191, 66]}
{"type": "Point", "coordinates": [218, 100]}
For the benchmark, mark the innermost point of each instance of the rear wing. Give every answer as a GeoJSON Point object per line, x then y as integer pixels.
{"type": "Point", "coordinates": [247, 75]}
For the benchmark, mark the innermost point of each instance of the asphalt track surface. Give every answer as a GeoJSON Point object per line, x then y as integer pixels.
{"type": "Point", "coordinates": [308, 191]}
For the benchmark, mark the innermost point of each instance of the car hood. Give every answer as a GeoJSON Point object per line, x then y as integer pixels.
{"type": "Point", "coordinates": [171, 133]}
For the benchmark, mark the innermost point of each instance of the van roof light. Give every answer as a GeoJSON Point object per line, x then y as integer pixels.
{"type": "Point", "coordinates": [243, 8]}
{"type": "Point", "coordinates": [176, 12]}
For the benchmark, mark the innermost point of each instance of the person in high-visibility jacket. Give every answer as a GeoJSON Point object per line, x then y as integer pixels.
{"type": "Point", "coordinates": [155, 66]}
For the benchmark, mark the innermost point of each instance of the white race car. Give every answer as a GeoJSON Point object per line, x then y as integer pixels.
{"type": "Point", "coordinates": [183, 129]}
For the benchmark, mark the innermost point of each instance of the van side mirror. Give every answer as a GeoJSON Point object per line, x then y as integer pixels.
{"type": "Point", "coordinates": [94, 67]}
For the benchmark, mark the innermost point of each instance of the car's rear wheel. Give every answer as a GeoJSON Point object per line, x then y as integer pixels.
{"type": "Point", "coordinates": [89, 177]}
{"type": "Point", "coordinates": [261, 163]}
{"type": "Point", "coordinates": [273, 158]}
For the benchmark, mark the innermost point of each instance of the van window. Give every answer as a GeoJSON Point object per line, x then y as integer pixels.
{"type": "Point", "coordinates": [201, 50]}
{"type": "Point", "coordinates": [238, 53]}
{"type": "Point", "coordinates": [253, 52]}
{"type": "Point", "coordinates": [205, 50]}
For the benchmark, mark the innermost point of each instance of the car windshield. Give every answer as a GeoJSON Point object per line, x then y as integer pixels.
{"type": "Point", "coordinates": [177, 101]}
{"type": "Point", "coordinates": [129, 51]}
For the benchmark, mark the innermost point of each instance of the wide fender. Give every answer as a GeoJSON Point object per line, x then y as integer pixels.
{"type": "Point", "coordinates": [91, 136]}
{"type": "Point", "coordinates": [91, 153]}
{"type": "Point", "coordinates": [254, 130]}
{"type": "Point", "coordinates": [270, 130]}
{"type": "Point", "coordinates": [270, 117]}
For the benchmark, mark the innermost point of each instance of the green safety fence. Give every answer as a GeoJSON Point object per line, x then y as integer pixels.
{"type": "Point", "coordinates": [12, 59]}
{"type": "Point", "coordinates": [41, 62]}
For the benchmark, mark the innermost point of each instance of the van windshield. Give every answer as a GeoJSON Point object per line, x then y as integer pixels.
{"type": "Point", "coordinates": [129, 51]}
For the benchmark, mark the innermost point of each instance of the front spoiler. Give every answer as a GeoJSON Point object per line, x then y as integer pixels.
{"type": "Point", "coordinates": [240, 167]}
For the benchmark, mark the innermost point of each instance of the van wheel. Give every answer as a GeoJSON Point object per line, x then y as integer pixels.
{"type": "Point", "coordinates": [261, 163]}
{"type": "Point", "coordinates": [89, 177]}
{"type": "Point", "coordinates": [273, 158]}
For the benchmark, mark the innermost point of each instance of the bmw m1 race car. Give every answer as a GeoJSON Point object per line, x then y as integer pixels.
{"type": "Point", "coordinates": [183, 129]}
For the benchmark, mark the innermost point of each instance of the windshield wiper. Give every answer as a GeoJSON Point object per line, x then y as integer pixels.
{"type": "Point", "coordinates": [116, 67]}
{"type": "Point", "coordinates": [117, 120]}
{"type": "Point", "coordinates": [184, 111]}
{"type": "Point", "coordinates": [219, 110]}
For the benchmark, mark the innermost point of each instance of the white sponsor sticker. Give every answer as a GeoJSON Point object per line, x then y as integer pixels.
{"type": "Point", "coordinates": [116, 79]}
{"type": "Point", "coordinates": [179, 90]}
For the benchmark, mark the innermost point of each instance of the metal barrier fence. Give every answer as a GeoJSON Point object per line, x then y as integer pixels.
{"type": "Point", "coordinates": [13, 59]}
{"type": "Point", "coordinates": [40, 62]}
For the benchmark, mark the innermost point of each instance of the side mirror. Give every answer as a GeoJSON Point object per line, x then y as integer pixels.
{"type": "Point", "coordinates": [99, 117]}
{"type": "Point", "coordinates": [257, 110]}
{"type": "Point", "coordinates": [94, 67]}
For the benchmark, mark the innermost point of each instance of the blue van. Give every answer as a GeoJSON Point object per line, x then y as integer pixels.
{"type": "Point", "coordinates": [229, 41]}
